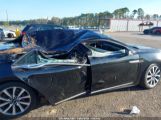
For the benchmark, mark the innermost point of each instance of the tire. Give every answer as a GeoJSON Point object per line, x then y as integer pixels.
{"type": "Point", "coordinates": [151, 77]}
{"type": "Point", "coordinates": [19, 99]}
{"type": "Point", "coordinates": [157, 33]}
{"type": "Point", "coordinates": [10, 35]}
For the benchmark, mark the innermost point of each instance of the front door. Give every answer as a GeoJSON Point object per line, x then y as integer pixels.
{"type": "Point", "coordinates": [111, 65]}
{"type": "Point", "coordinates": [112, 71]}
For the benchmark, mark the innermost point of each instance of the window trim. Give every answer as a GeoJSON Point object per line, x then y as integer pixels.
{"type": "Point", "coordinates": [39, 65]}
{"type": "Point", "coordinates": [105, 40]}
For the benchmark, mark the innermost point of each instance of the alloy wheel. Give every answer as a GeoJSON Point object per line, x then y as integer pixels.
{"type": "Point", "coordinates": [153, 76]}
{"type": "Point", "coordinates": [14, 101]}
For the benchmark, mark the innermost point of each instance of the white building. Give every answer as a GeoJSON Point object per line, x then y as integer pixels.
{"type": "Point", "coordinates": [130, 25]}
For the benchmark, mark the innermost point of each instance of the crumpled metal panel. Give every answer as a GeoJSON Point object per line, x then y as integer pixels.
{"type": "Point", "coordinates": [63, 40]}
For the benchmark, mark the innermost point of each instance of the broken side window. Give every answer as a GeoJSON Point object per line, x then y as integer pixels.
{"type": "Point", "coordinates": [36, 57]}
{"type": "Point", "coordinates": [42, 59]}
{"type": "Point", "coordinates": [104, 48]}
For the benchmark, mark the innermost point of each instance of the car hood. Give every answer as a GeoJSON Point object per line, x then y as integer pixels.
{"type": "Point", "coordinates": [145, 49]}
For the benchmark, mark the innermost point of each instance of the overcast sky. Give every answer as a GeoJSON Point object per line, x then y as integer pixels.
{"type": "Point", "coordinates": [32, 9]}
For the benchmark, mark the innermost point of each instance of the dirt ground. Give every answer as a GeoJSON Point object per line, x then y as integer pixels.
{"type": "Point", "coordinates": [111, 104]}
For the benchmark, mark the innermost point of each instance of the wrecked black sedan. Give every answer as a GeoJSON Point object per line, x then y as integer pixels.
{"type": "Point", "coordinates": [64, 64]}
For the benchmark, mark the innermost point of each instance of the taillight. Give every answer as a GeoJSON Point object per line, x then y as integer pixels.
{"type": "Point", "coordinates": [23, 33]}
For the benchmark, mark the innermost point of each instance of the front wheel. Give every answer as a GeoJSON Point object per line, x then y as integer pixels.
{"type": "Point", "coordinates": [16, 99]}
{"type": "Point", "coordinates": [152, 77]}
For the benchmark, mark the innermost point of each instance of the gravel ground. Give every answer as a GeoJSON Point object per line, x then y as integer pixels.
{"type": "Point", "coordinates": [111, 104]}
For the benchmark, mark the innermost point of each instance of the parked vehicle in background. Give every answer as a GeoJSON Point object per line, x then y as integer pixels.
{"type": "Point", "coordinates": [8, 33]}
{"type": "Point", "coordinates": [1, 34]}
{"type": "Point", "coordinates": [40, 27]}
{"type": "Point", "coordinates": [154, 30]}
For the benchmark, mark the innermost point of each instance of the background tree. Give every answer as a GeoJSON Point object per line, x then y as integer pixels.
{"type": "Point", "coordinates": [155, 16]}
{"type": "Point", "coordinates": [116, 14]}
{"type": "Point", "coordinates": [147, 17]}
{"type": "Point", "coordinates": [125, 12]}
{"type": "Point", "coordinates": [55, 20]}
{"type": "Point", "coordinates": [140, 13]}
{"type": "Point", "coordinates": [121, 13]}
{"type": "Point", "coordinates": [88, 20]}
{"type": "Point", "coordinates": [134, 12]}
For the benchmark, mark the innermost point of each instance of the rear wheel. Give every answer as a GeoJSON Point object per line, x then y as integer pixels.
{"type": "Point", "coordinates": [10, 35]}
{"type": "Point", "coordinates": [16, 99]}
{"type": "Point", "coordinates": [152, 77]}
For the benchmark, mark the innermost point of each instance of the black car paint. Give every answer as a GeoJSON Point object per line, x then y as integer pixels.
{"type": "Point", "coordinates": [151, 30]}
{"type": "Point", "coordinates": [40, 27]}
{"type": "Point", "coordinates": [112, 71]}
{"type": "Point", "coordinates": [147, 56]}
{"type": "Point", "coordinates": [58, 82]}
{"type": "Point", "coordinates": [55, 82]}
{"type": "Point", "coordinates": [63, 40]}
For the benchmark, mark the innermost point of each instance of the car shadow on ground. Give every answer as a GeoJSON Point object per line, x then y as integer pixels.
{"type": "Point", "coordinates": [135, 88]}
{"type": "Point", "coordinates": [44, 102]}
{"type": "Point", "coordinates": [124, 112]}
{"type": "Point", "coordinates": [129, 89]}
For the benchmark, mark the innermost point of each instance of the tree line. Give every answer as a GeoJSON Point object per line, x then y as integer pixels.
{"type": "Point", "coordinates": [90, 19]}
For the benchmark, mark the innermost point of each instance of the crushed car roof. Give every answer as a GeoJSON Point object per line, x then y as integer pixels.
{"type": "Point", "coordinates": [63, 40]}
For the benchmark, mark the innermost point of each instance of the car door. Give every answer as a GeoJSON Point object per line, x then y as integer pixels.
{"type": "Point", "coordinates": [113, 68]}
{"type": "Point", "coordinates": [54, 78]}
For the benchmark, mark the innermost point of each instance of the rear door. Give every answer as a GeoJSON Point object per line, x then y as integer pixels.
{"type": "Point", "coordinates": [56, 79]}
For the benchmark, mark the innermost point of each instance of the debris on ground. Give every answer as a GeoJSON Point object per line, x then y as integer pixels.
{"type": "Point", "coordinates": [135, 111]}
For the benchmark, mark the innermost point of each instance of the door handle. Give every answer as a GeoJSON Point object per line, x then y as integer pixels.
{"type": "Point", "coordinates": [136, 61]}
